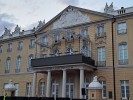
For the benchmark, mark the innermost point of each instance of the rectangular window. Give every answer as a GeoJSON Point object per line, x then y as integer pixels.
{"type": "Point", "coordinates": [28, 89]}
{"type": "Point", "coordinates": [125, 93]}
{"type": "Point", "coordinates": [45, 40]}
{"type": "Point", "coordinates": [9, 48]}
{"type": "Point", "coordinates": [100, 31]}
{"type": "Point", "coordinates": [101, 56]}
{"type": "Point", "coordinates": [32, 43]}
{"type": "Point", "coordinates": [84, 34]}
{"type": "Point", "coordinates": [0, 48]}
{"type": "Point", "coordinates": [57, 38]}
{"type": "Point", "coordinates": [122, 28]}
{"type": "Point", "coordinates": [104, 89]}
{"type": "Point", "coordinates": [42, 88]}
{"type": "Point", "coordinates": [17, 89]}
{"type": "Point", "coordinates": [123, 53]}
{"type": "Point", "coordinates": [20, 45]}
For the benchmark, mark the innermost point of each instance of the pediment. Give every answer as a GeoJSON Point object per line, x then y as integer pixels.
{"type": "Point", "coordinates": [69, 17]}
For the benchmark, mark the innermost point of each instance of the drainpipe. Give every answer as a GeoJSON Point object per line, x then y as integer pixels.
{"type": "Point", "coordinates": [113, 21]}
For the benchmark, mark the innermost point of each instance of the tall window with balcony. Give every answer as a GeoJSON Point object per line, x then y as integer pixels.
{"type": "Point", "coordinates": [0, 48]}
{"type": "Point", "coordinates": [9, 48]}
{"type": "Point", "coordinates": [122, 28]}
{"type": "Point", "coordinates": [32, 43]}
{"type": "Point", "coordinates": [29, 62]}
{"type": "Point", "coordinates": [125, 93]}
{"type": "Point", "coordinates": [20, 45]}
{"type": "Point", "coordinates": [28, 89]}
{"type": "Point", "coordinates": [100, 31]}
{"type": "Point", "coordinates": [8, 64]}
{"type": "Point", "coordinates": [123, 53]}
{"type": "Point", "coordinates": [18, 64]}
{"type": "Point", "coordinates": [101, 56]}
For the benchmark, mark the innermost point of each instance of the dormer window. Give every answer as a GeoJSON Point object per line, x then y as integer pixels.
{"type": "Point", "coordinates": [122, 28]}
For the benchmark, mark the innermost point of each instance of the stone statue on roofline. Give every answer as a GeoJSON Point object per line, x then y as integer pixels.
{"type": "Point", "coordinates": [7, 31]}
{"type": "Point", "coordinates": [17, 30]}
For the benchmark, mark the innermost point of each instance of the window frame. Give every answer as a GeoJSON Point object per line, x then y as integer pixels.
{"type": "Point", "coordinates": [119, 30]}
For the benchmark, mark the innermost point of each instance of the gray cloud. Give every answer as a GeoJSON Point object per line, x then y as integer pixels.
{"type": "Point", "coordinates": [5, 21]}
{"type": "Point", "coordinates": [69, 2]}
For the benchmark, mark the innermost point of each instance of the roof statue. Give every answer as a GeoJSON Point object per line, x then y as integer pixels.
{"type": "Point", "coordinates": [7, 31]}
{"type": "Point", "coordinates": [17, 29]}
{"type": "Point", "coordinates": [108, 9]}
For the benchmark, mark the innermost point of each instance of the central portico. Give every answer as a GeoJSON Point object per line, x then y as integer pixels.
{"type": "Point", "coordinates": [66, 75]}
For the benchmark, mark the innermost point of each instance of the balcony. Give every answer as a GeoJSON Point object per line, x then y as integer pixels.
{"type": "Point", "coordinates": [122, 31]}
{"type": "Point", "coordinates": [7, 71]}
{"type": "Point", "coordinates": [100, 35]}
{"type": "Point", "coordinates": [101, 63]}
{"type": "Point", "coordinates": [17, 70]}
{"type": "Point", "coordinates": [62, 60]}
{"type": "Point", "coordinates": [123, 62]}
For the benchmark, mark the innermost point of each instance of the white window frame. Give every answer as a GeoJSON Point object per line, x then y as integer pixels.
{"type": "Point", "coordinates": [55, 88]}
{"type": "Point", "coordinates": [29, 60]}
{"type": "Point", "coordinates": [122, 28]}
{"type": "Point", "coordinates": [125, 84]}
{"type": "Point", "coordinates": [100, 30]}
{"type": "Point", "coordinates": [8, 63]}
{"type": "Point", "coordinates": [104, 88]}
{"type": "Point", "coordinates": [101, 54]}
{"type": "Point", "coordinates": [57, 37]}
{"type": "Point", "coordinates": [20, 45]}
{"type": "Point", "coordinates": [42, 89]}
{"type": "Point", "coordinates": [17, 89]}
{"type": "Point", "coordinates": [45, 40]}
{"type": "Point", "coordinates": [123, 52]}
{"type": "Point", "coordinates": [32, 42]}
{"type": "Point", "coordinates": [28, 89]}
{"type": "Point", "coordinates": [69, 85]}
{"type": "Point", "coordinates": [18, 62]}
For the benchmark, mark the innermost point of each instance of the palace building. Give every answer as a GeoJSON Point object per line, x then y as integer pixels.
{"type": "Point", "coordinates": [60, 58]}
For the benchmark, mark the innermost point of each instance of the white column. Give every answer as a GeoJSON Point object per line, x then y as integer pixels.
{"type": "Point", "coordinates": [64, 84]}
{"type": "Point", "coordinates": [48, 84]}
{"type": "Point", "coordinates": [81, 82]}
{"type": "Point", "coordinates": [34, 85]}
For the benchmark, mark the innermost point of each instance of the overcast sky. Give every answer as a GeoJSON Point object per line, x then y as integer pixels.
{"type": "Point", "coordinates": [27, 13]}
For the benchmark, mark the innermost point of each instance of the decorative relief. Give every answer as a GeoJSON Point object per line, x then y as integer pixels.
{"type": "Point", "coordinates": [100, 41]}
{"type": "Point", "coordinates": [71, 17]}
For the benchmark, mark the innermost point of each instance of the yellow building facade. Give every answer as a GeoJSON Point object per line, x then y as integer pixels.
{"type": "Point", "coordinates": [68, 51]}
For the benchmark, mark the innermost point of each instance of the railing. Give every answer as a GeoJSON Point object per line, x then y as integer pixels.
{"type": "Point", "coordinates": [122, 31]}
{"type": "Point", "coordinates": [101, 63]}
{"type": "Point", "coordinates": [100, 35]}
{"type": "Point", "coordinates": [123, 62]}
{"type": "Point", "coordinates": [7, 71]}
{"type": "Point", "coordinates": [17, 70]}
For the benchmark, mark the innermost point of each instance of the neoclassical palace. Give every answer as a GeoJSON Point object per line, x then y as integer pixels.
{"type": "Point", "coordinates": [60, 58]}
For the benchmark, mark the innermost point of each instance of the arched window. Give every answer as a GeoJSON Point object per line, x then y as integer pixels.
{"type": "Point", "coordinates": [69, 51]}
{"type": "Point", "coordinates": [18, 63]}
{"type": "Point", "coordinates": [8, 64]}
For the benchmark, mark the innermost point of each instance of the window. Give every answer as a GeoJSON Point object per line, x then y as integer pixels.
{"type": "Point", "coordinates": [20, 45]}
{"type": "Point", "coordinates": [32, 43]}
{"type": "Point", "coordinates": [84, 33]}
{"type": "Point", "coordinates": [8, 64]}
{"type": "Point", "coordinates": [9, 48]}
{"type": "Point", "coordinates": [28, 89]}
{"type": "Point", "coordinates": [57, 38]}
{"type": "Point", "coordinates": [17, 89]}
{"type": "Point", "coordinates": [84, 51]}
{"type": "Point", "coordinates": [45, 40]}
{"type": "Point", "coordinates": [69, 51]}
{"type": "Point", "coordinates": [57, 52]}
{"type": "Point", "coordinates": [42, 88]}
{"type": "Point", "coordinates": [70, 37]}
{"type": "Point", "coordinates": [125, 93]}
{"type": "Point", "coordinates": [101, 56]}
{"type": "Point", "coordinates": [55, 89]}
{"type": "Point", "coordinates": [104, 88]}
{"type": "Point", "coordinates": [122, 28]}
{"type": "Point", "coordinates": [29, 62]}
{"type": "Point", "coordinates": [0, 48]}
{"type": "Point", "coordinates": [100, 31]}
{"type": "Point", "coordinates": [123, 53]}
{"type": "Point", "coordinates": [18, 64]}
{"type": "Point", "coordinates": [69, 88]}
